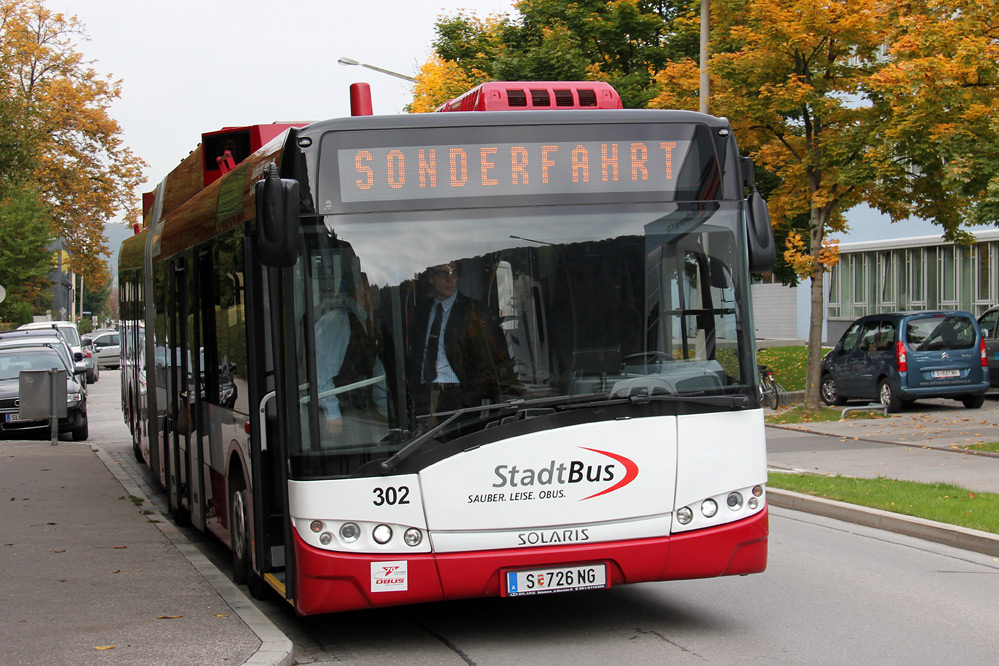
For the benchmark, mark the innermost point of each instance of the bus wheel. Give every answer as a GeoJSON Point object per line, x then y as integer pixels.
{"type": "Point", "coordinates": [239, 523]}
{"type": "Point", "coordinates": [133, 426]}
{"type": "Point", "coordinates": [242, 567]}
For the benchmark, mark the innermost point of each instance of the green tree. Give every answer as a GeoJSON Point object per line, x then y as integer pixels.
{"type": "Point", "coordinates": [96, 299]}
{"type": "Point", "coordinates": [25, 234]}
{"type": "Point", "coordinates": [624, 42]}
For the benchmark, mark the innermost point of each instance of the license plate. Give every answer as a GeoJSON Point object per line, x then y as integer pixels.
{"type": "Point", "coordinates": [556, 579]}
{"type": "Point", "coordinates": [11, 418]}
{"type": "Point", "coordinates": [944, 374]}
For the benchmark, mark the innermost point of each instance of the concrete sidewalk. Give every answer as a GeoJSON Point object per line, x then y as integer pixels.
{"type": "Point", "coordinates": [94, 575]}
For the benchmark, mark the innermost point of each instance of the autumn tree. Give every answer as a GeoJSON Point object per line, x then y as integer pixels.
{"type": "Point", "coordinates": [941, 82]}
{"type": "Point", "coordinates": [851, 101]}
{"type": "Point", "coordinates": [59, 107]}
{"type": "Point", "coordinates": [438, 81]}
{"type": "Point", "coordinates": [792, 77]}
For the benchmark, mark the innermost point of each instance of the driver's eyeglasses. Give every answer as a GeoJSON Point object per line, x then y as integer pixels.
{"type": "Point", "coordinates": [445, 272]}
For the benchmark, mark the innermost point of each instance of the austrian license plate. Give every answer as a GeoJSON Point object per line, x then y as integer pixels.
{"type": "Point", "coordinates": [556, 579]}
{"type": "Point", "coordinates": [10, 418]}
{"type": "Point", "coordinates": [945, 374]}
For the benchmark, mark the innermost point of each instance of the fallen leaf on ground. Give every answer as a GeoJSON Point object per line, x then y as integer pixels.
{"type": "Point", "coordinates": [103, 647]}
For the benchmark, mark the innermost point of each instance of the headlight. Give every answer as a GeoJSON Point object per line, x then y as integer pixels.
{"type": "Point", "coordinates": [73, 398]}
{"type": "Point", "coordinates": [709, 508]}
{"type": "Point", "coordinates": [382, 534]}
{"type": "Point", "coordinates": [412, 537]}
{"type": "Point", "coordinates": [349, 532]}
{"type": "Point", "coordinates": [684, 515]}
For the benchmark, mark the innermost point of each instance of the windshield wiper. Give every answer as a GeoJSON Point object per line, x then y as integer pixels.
{"type": "Point", "coordinates": [732, 400]}
{"type": "Point", "coordinates": [391, 463]}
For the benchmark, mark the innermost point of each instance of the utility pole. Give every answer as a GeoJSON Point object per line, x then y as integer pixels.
{"type": "Point", "coordinates": [705, 33]}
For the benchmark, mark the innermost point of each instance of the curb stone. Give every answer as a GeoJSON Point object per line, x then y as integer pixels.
{"type": "Point", "coordinates": [275, 648]}
{"type": "Point", "coordinates": [920, 528]}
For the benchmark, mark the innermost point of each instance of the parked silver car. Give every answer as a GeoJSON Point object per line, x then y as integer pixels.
{"type": "Point", "coordinates": [107, 347]}
{"type": "Point", "coordinates": [69, 331]}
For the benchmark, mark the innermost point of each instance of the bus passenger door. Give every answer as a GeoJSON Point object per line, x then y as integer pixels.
{"type": "Point", "coordinates": [273, 389]}
{"type": "Point", "coordinates": [179, 393]}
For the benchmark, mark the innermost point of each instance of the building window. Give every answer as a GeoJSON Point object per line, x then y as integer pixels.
{"type": "Point", "coordinates": [948, 276]}
{"type": "Point", "coordinates": [982, 273]}
{"type": "Point", "coordinates": [860, 279]}
{"type": "Point", "coordinates": [916, 277]}
{"type": "Point", "coordinates": [834, 290]}
{"type": "Point", "coordinates": [886, 281]}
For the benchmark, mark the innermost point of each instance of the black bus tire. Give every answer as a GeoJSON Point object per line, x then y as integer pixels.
{"type": "Point", "coordinates": [239, 535]}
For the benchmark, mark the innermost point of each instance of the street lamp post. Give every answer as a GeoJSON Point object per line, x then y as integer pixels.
{"type": "Point", "coordinates": [350, 61]}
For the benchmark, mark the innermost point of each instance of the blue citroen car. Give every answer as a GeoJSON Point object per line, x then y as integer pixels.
{"type": "Point", "coordinates": [895, 358]}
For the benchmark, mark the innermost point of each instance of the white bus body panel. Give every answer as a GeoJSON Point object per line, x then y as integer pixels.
{"type": "Point", "coordinates": [718, 453]}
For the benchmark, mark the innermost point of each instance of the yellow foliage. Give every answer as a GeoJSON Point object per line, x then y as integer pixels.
{"type": "Point", "coordinates": [804, 263]}
{"type": "Point", "coordinates": [438, 81]}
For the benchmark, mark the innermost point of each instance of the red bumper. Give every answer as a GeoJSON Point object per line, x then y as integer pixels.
{"type": "Point", "coordinates": [331, 581]}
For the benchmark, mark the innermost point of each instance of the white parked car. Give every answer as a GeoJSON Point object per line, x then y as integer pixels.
{"type": "Point", "coordinates": [107, 346]}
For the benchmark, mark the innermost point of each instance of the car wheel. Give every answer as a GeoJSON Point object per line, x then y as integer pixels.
{"type": "Point", "coordinates": [973, 401]}
{"type": "Point", "coordinates": [829, 394]}
{"type": "Point", "coordinates": [888, 397]}
{"type": "Point", "coordinates": [82, 430]}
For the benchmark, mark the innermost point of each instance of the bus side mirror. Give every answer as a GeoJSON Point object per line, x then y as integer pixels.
{"type": "Point", "coordinates": [759, 232]}
{"type": "Point", "coordinates": [277, 219]}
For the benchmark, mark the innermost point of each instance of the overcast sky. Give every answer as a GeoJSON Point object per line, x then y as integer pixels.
{"type": "Point", "coordinates": [193, 66]}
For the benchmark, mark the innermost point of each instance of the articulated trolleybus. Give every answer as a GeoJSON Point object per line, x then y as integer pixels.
{"type": "Point", "coordinates": [584, 414]}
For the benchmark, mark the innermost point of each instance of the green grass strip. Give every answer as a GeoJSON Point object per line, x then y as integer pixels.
{"type": "Point", "coordinates": [941, 502]}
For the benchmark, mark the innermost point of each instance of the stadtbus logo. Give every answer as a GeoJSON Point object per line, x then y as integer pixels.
{"type": "Point", "coordinates": [618, 474]}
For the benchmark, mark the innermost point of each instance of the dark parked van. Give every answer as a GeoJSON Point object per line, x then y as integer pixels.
{"type": "Point", "coordinates": [895, 358]}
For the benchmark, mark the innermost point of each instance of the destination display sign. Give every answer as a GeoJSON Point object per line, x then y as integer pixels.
{"type": "Point", "coordinates": [396, 173]}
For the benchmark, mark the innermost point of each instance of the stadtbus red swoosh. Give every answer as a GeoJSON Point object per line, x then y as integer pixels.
{"type": "Point", "coordinates": [630, 472]}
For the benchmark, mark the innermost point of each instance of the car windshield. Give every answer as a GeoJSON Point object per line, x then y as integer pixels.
{"type": "Point", "coordinates": [71, 335]}
{"type": "Point", "coordinates": [12, 363]}
{"type": "Point", "coordinates": [941, 332]}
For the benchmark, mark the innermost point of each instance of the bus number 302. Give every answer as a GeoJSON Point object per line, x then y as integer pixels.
{"type": "Point", "coordinates": [391, 496]}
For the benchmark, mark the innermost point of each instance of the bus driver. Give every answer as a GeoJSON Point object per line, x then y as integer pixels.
{"type": "Point", "coordinates": [460, 357]}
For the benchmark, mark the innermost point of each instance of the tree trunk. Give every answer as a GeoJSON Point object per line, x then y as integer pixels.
{"type": "Point", "coordinates": [816, 225]}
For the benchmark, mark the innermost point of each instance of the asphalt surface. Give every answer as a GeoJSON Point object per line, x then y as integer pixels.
{"type": "Point", "coordinates": [95, 575]}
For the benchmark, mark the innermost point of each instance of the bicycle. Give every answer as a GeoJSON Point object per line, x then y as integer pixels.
{"type": "Point", "coordinates": [769, 392]}
{"type": "Point", "coordinates": [769, 396]}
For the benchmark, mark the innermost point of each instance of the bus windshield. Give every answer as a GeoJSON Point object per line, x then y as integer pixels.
{"type": "Point", "coordinates": [549, 302]}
